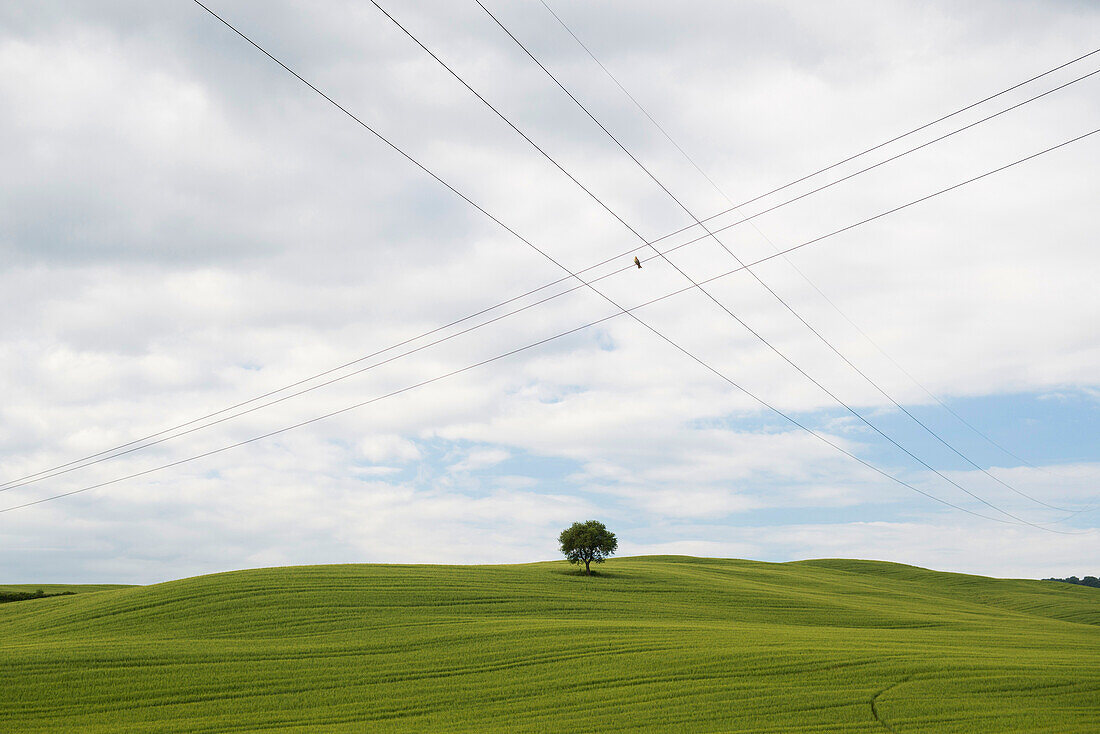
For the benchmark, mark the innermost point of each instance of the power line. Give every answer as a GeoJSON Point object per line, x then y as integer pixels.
{"type": "Point", "coordinates": [537, 303]}
{"type": "Point", "coordinates": [756, 276]}
{"type": "Point", "coordinates": [831, 166]}
{"type": "Point", "coordinates": [602, 320]}
{"type": "Point", "coordinates": [619, 308]}
{"type": "Point", "coordinates": [474, 366]}
{"type": "Point", "coordinates": [667, 339]}
{"type": "Point", "coordinates": [790, 262]}
{"type": "Point", "coordinates": [664, 257]}
{"type": "Point", "coordinates": [342, 109]}
{"type": "Point", "coordinates": [899, 137]}
{"type": "Point", "coordinates": [23, 480]}
{"type": "Point", "coordinates": [91, 459]}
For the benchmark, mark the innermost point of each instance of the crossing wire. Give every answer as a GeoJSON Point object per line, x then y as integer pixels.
{"type": "Point", "coordinates": [54, 471]}
{"type": "Point", "coordinates": [827, 299]}
{"type": "Point", "coordinates": [133, 445]}
{"type": "Point", "coordinates": [621, 311]}
{"type": "Point", "coordinates": [545, 254]}
{"type": "Point", "coordinates": [755, 276]}
{"type": "Point", "coordinates": [467, 368]}
{"type": "Point", "coordinates": [841, 162]}
{"type": "Point", "coordinates": [408, 340]}
{"type": "Point", "coordinates": [707, 293]}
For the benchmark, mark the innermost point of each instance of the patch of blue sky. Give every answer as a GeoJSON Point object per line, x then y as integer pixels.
{"type": "Point", "coordinates": [1040, 428]}
{"type": "Point", "coordinates": [536, 466]}
{"type": "Point", "coordinates": [604, 340]}
{"type": "Point", "coordinates": [1043, 428]}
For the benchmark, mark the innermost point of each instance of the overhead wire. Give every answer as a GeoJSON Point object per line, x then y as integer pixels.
{"type": "Point", "coordinates": [736, 207]}
{"type": "Point", "coordinates": [438, 328]}
{"type": "Point", "coordinates": [619, 308]}
{"type": "Point", "coordinates": [452, 373]}
{"type": "Point", "coordinates": [832, 395]}
{"type": "Point", "coordinates": [645, 112]}
{"type": "Point", "coordinates": [602, 320]}
{"type": "Point", "coordinates": [131, 446]}
{"type": "Point", "coordinates": [841, 162]}
{"type": "Point", "coordinates": [824, 340]}
{"type": "Point", "coordinates": [620, 312]}
{"type": "Point", "coordinates": [873, 148]}
{"type": "Point", "coordinates": [605, 297]}
{"type": "Point", "coordinates": [549, 298]}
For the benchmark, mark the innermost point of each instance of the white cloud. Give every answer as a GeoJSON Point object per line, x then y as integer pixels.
{"type": "Point", "coordinates": [480, 459]}
{"type": "Point", "coordinates": [380, 448]}
{"type": "Point", "coordinates": [187, 227]}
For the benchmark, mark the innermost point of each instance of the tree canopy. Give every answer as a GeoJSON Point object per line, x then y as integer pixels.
{"type": "Point", "coordinates": [587, 543]}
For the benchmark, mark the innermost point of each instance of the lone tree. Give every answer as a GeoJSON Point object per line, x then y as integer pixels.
{"type": "Point", "coordinates": [587, 542]}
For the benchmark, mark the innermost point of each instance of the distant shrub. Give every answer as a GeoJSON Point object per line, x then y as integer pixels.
{"type": "Point", "coordinates": [6, 596]}
{"type": "Point", "coordinates": [1086, 581]}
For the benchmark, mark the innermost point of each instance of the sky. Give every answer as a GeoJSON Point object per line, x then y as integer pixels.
{"type": "Point", "coordinates": [184, 226]}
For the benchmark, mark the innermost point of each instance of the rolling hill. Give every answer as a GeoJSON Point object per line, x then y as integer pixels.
{"type": "Point", "coordinates": [652, 643]}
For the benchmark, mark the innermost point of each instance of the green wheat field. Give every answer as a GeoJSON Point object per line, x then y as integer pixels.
{"type": "Point", "coordinates": [666, 643]}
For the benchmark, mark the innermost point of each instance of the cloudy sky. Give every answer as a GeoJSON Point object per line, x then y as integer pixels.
{"type": "Point", "coordinates": [184, 226]}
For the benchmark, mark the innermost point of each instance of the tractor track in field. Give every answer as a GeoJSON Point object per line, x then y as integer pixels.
{"type": "Point", "coordinates": [874, 703]}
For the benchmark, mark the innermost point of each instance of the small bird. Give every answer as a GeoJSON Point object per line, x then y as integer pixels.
{"type": "Point", "coordinates": [638, 262]}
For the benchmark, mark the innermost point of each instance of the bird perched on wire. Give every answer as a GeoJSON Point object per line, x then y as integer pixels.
{"type": "Point", "coordinates": [638, 262]}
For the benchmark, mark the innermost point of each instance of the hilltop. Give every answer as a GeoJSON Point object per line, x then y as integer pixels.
{"type": "Point", "coordinates": [660, 643]}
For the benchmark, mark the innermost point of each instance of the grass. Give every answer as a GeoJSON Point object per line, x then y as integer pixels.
{"type": "Point", "coordinates": [59, 588]}
{"type": "Point", "coordinates": [652, 643]}
{"type": "Point", "coordinates": [26, 592]}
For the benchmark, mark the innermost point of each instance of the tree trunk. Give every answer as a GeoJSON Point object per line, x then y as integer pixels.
{"type": "Point", "coordinates": [587, 571]}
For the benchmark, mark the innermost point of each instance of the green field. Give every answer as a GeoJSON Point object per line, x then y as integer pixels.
{"type": "Point", "coordinates": [652, 643]}
{"type": "Point", "coordinates": [59, 588]}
